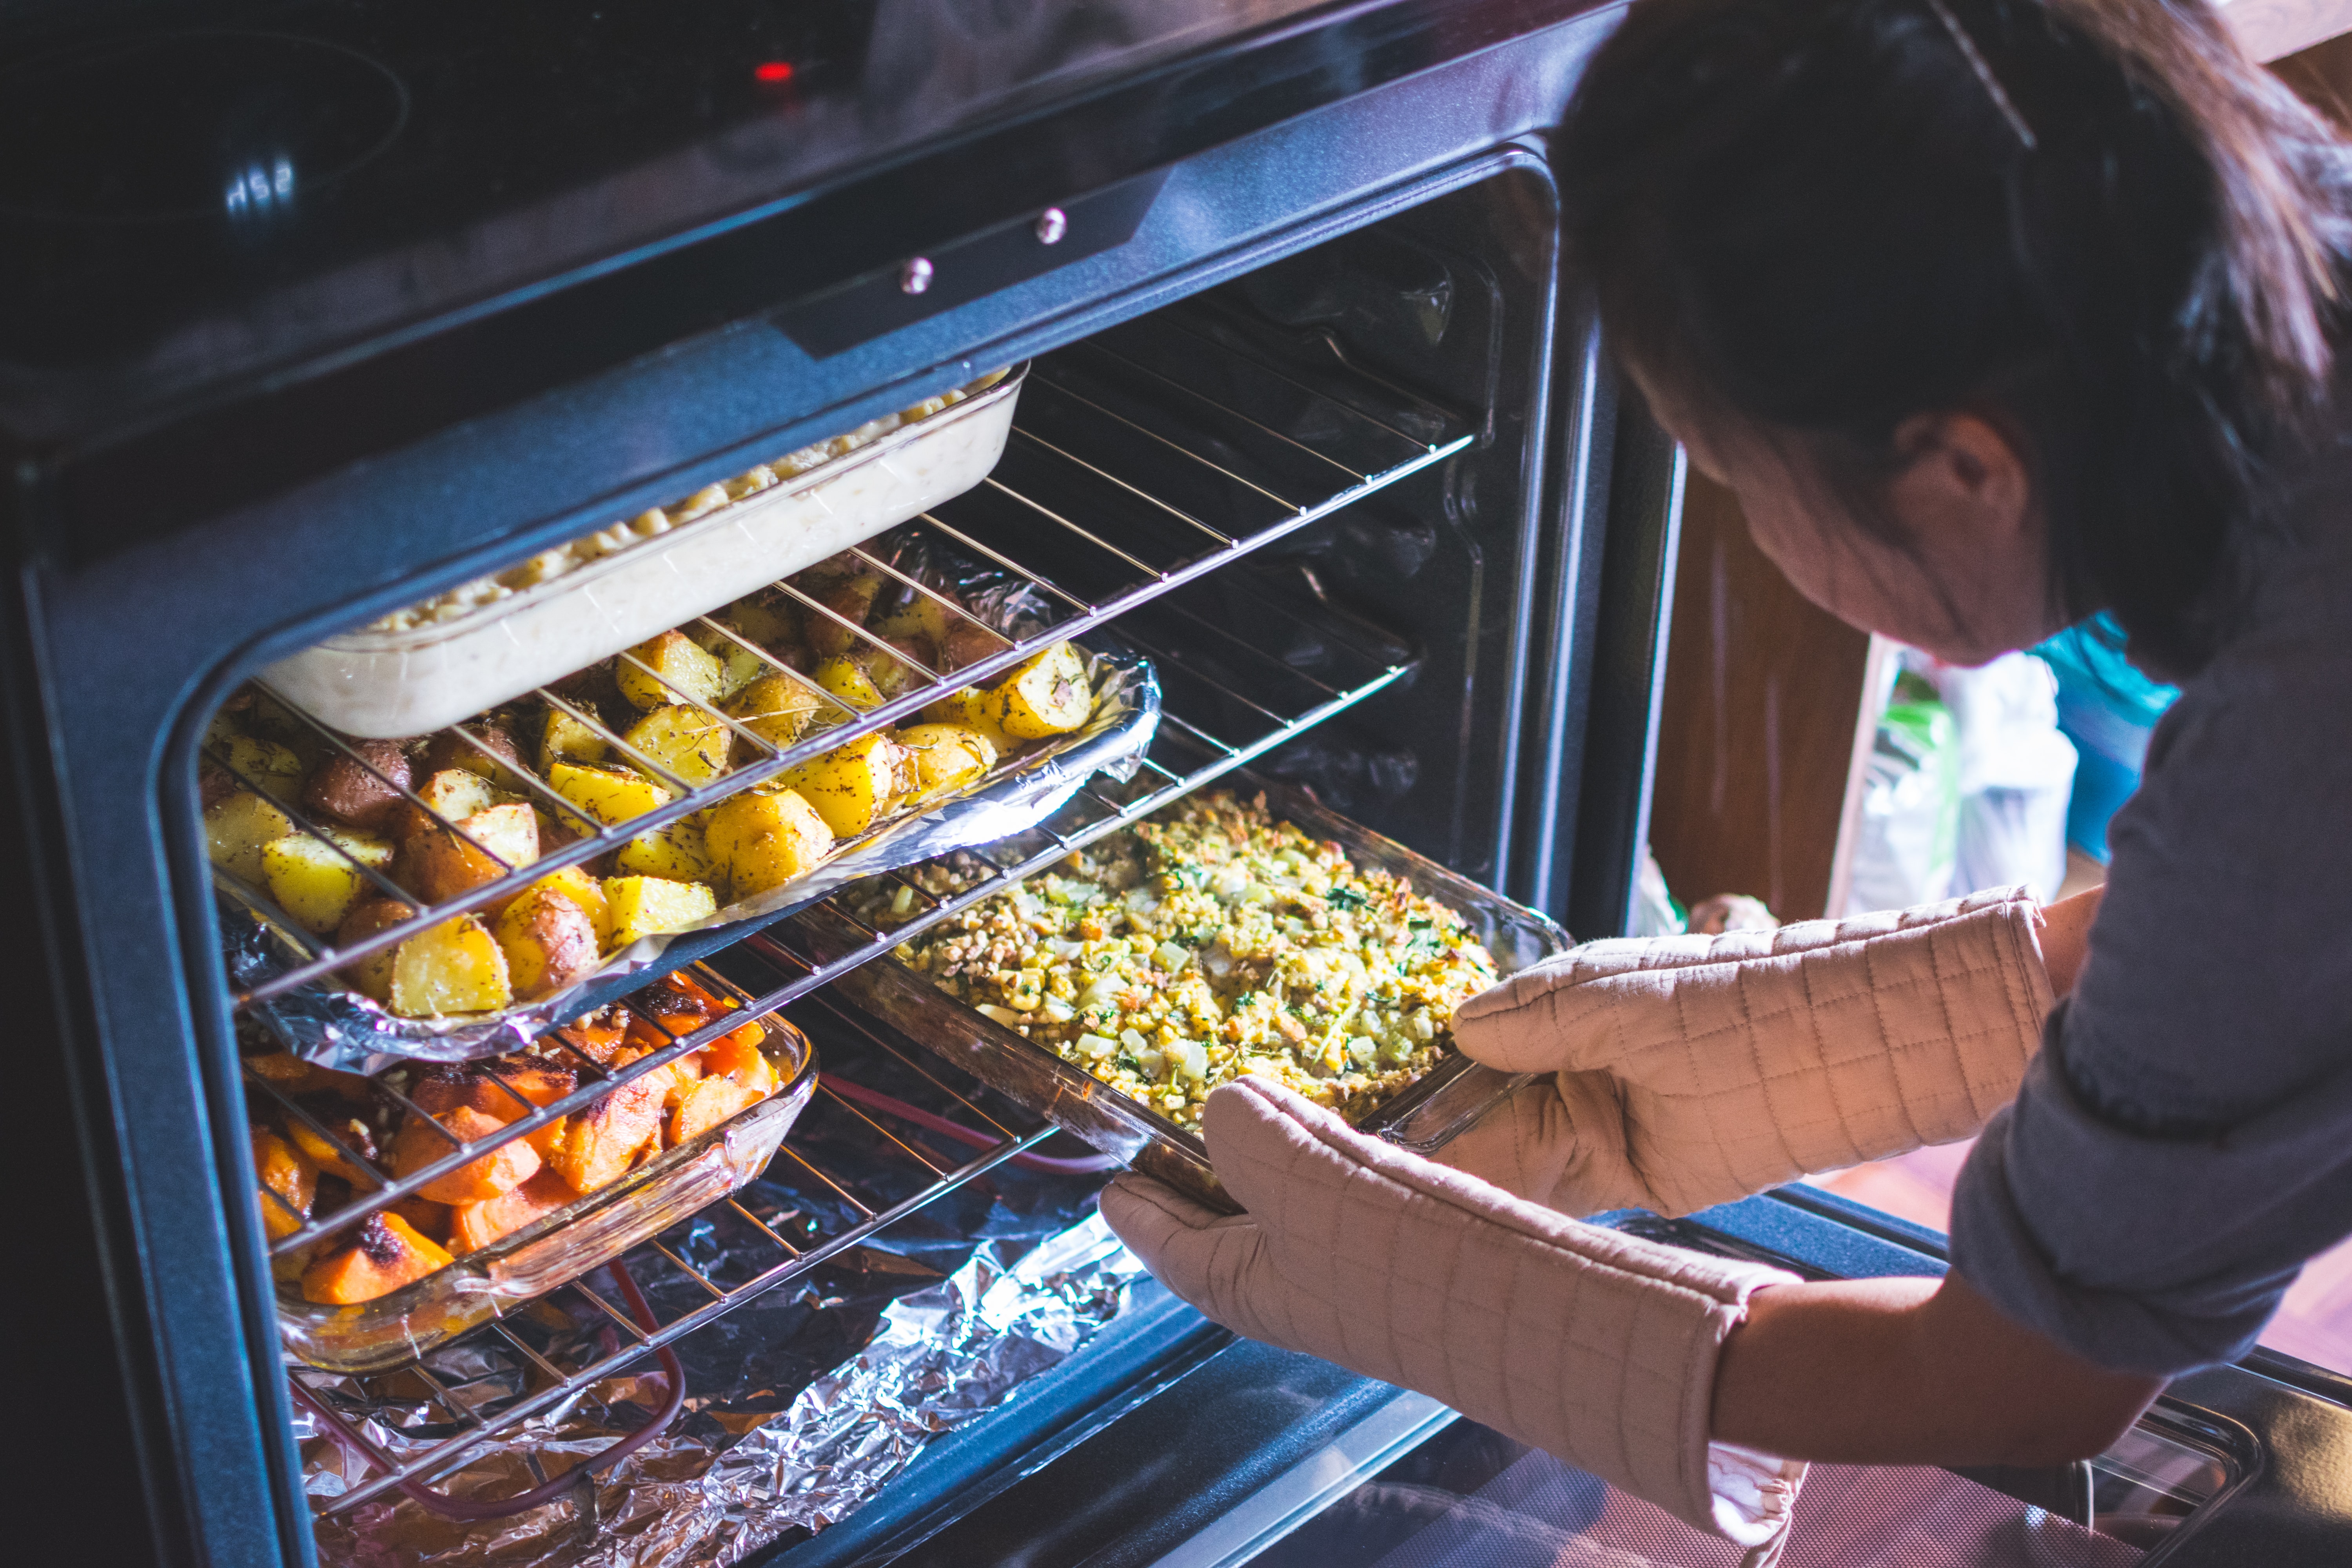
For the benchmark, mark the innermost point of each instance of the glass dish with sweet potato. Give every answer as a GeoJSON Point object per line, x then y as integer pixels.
{"type": "Point", "coordinates": [535, 1205]}
{"type": "Point", "coordinates": [349, 841]}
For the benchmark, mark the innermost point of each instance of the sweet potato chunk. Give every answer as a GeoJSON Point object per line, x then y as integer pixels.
{"type": "Point", "coordinates": [364, 793]}
{"type": "Point", "coordinates": [473, 1088]}
{"type": "Point", "coordinates": [292, 1074]}
{"type": "Point", "coordinates": [388, 1255]}
{"type": "Point", "coordinates": [601, 1142]}
{"type": "Point", "coordinates": [476, 1226]}
{"type": "Point", "coordinates": [738, 1055]}
{"type": "Point", "coordinates": [600, 1036]}
{"type": "Point", "coordinates": [424, 1217]}
{"type": "Point", "coordinates": [501, 1170]}
{"type": "Point", "coordinates": [289, 1183]}
{"type": "Point", "coordinates": [332, 1159]}
{"type": "Point", "coordinates": [710, 1102]}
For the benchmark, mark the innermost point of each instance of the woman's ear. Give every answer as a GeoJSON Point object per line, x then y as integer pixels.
{"type": "Point", "coordinates": [1961, 480]}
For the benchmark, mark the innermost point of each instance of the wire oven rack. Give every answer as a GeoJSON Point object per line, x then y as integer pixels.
{"type": "Point", "coordinates": [1248, 661]}
{"type": "Point", "coordinates": [1147, 451]}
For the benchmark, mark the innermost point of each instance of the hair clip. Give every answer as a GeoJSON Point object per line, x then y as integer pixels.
{"type": "Point", "coordinates": [1992, 87]}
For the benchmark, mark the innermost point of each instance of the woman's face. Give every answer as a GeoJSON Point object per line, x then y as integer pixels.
{"type": "Point", "coordinates": [1970, 579]}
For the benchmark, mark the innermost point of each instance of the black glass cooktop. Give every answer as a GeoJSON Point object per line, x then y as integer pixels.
{"type": "Point", "coordinates": [193, 192]}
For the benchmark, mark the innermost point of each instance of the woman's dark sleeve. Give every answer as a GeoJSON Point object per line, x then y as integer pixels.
{"type": "Point", "coordinates": [2183, 1141]}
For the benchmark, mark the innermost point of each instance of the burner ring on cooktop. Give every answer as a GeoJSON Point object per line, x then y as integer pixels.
{"type": "Point", "coordinates": [238, 125]}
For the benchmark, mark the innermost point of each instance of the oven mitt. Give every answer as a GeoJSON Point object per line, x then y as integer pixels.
{"type": "Point", "coordinates": [1598, 1347]}
{"type": "Point", "coordinates": [1687, 1071]}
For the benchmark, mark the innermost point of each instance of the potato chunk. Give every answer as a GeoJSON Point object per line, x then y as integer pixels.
{"type": "Point", "coordinates": [388, 1255]}
{"type": "Point", "coordinates": [686, 674]}
{"type": "Point", "coordinates": [454, 967]}
{"type": "Point", "coordinates": [765, 839]}
{"type": "Point", "coordinates": [611, 795]}
{"type": "Point", "coordinates": [675, 853]}
{"type": "Point", "coordinates": [685, 740]}
{"type": "Point", "coordinates": [421, 1143]}
{"type": "Point", "coordinates": [575, 883]}
{"type": "Point", "coordinates": [946, 757]}
{"type": "Point", "coordinates": [238, 829]}
{"type": "Point", "coordinates": [650, 906]}
{"type": "Point", "coordinates": [848, 598]}
{"type": "Point", "coordinates": [978, 712]}
{"type": "Point", "coordinates": [363, 794]}
{"type": "Point", "coordinates": [549, 940]}
{"type": "Point", "coordinates": [1046, 695]}
{"type": "Point", "coordinates": [567, 739]}
{"type": "Point", "coordinates": [846, 677]}
{"type": "Point", "coordinates": [317, 882]}
{"type": "Point", "coordinates": [776, 707]}
{"type": "Point", "coordinates": [440, 864]}
{"type": "Point", "coordinates": [266, 765]}
{"type": "Point", "coordinates": [852, 787]}
{"type": "Point", "coordinates": [485, 748]}
{"type": "Point", "coordinates": [372, 975]}
{"type": "Point", "coordinates": [454, 795]}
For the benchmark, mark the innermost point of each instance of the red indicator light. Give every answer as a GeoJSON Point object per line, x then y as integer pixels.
{"type": "Point", "coordinates": [773, 70]}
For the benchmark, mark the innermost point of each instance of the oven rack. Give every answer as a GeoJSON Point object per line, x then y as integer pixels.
{"type": "Point", "coordinates": [657, 1263]}
{"type": "Point", "coordinates": [1208, 673]}
{"type": "Point", "coordinates": [1137, 448]}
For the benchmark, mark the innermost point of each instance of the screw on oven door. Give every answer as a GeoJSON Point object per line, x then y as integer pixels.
{"type": "Point", "coordinates": [914, 276]}
{"type": "Point", "coordinates": [1052, 224]}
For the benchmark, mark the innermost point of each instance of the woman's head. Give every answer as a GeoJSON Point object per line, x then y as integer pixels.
{"type": "Point", "coordinates": [1984, 343]}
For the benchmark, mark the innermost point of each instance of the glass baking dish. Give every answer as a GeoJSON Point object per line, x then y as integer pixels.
{"type": "Point", "coordinates": [385, 685]}
{"type": "Point", "coordinates": [561, 1245]}
{"type": "Point", "coordinates": [1422, 1117]}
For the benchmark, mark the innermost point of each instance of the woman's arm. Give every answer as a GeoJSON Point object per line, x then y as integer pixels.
{"type": "Point", "coordinates": [1912, 1371]}
{"type": "Point", "coordinates": [2066, 937]}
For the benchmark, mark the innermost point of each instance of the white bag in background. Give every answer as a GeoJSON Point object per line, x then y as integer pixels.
{"type": "Point", "coordinates": [2017, 774]}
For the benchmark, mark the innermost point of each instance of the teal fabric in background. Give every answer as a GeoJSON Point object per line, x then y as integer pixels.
{"type": "Point", "coordinates": [2107, 709]}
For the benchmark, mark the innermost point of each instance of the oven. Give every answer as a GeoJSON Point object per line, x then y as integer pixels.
{"type": "Point", "coordinates": [318, 312]}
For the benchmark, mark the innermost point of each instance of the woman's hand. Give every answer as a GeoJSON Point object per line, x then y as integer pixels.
{"type": "Point", "coordinates": [1912, 1371]}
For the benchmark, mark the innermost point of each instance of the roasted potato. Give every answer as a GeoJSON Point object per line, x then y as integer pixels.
{"type": "Point", "coordinates": [491, 752]}
{"type": "Point", "coordinates": [853, 786]}
{"type": "Point", "coordinates": [452, 793]}
{"type": "Point", "coordinates": [290, 1182]}
{"type": "Point", "coordinates": [686, 673]}
{"type": "Point", "coordinates": [317, 881]}
{"type": "Point", "coordinates": [1046, 694]}
{"type": "Point", "coordinates": [765, 839]}
{"type": "Point", "coordinates": [895, 673]}
{"type": "Point", "coordinates": [388, 1255]}
{"type": "Point", "coordinates": [421, 1143]}
{"type": "Point", "coordinates": [237, 830]}
{"type": "Point", "coordinates": [975, 711]}
{"type": "Point", "coordinates": [921, 617]}
{"type": "Point", "coordinates": [275, 770]}
{"type": "Point", "coordinates": [674, 852]}
{"type": "Point", "coordinates": [846, 677]}
{"type": "Point", "coordinates": [550, 942]}
{"type": "Point", "coordinates": [575, 883]}
{"type": "Point", "coordinates": [685, 740]}
{"type": "Point", "coordinates": [363, 794]}
{"type": "Point", "coordinates": [764, 619]}
{"type": "Point", "coordinates": [776, 707]}
{"type": "Point", "coordinates": [967, 643]}
{"type": "Point", "coordinates": [850, 598]}
{"type": "Point", "coordinates": [439, 865]}
{"type": "Point", "coordinates": [372, 975]}
{"type": "Point", "coordinates": [737, 668]}
{"type": "Point", "coordinates": [456, 966]}
{"type": "Point", "coordinates": [565, 739]}
{"type": "Point", "coordinates": [946, 757]}
{"type": "Point", "coordinates": [649, 906]}
{"type": "Point", "coordinates": [610, 795]}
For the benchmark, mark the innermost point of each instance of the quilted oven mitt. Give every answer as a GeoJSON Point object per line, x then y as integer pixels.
{"type": "Point", "coordinates": [1687, 1071]}
{"type": "Point", "coordinates": [1598, 1347]}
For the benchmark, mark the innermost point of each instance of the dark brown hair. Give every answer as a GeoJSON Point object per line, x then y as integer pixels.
{"type": "Point", "coordinates": [1819, 218]}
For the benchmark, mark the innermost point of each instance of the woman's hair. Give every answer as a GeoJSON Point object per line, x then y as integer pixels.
{"type": "Point", "coordinates": [2092, 221]}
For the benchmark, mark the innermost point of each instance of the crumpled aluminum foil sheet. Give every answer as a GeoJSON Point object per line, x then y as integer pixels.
{"type": "Point", "coordinates": [341, 1029]}
{"type": "Point", "coordinates": [742, 1466]}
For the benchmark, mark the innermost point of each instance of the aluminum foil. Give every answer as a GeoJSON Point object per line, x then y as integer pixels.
{"type": "Point", "coordinates": [341, 1029]}
{"type": "Point", "coordinates": [743, 1466]}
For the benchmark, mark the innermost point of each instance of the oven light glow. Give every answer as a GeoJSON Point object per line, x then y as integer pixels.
{"type": "Point", "coordinates": [773, 70]}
